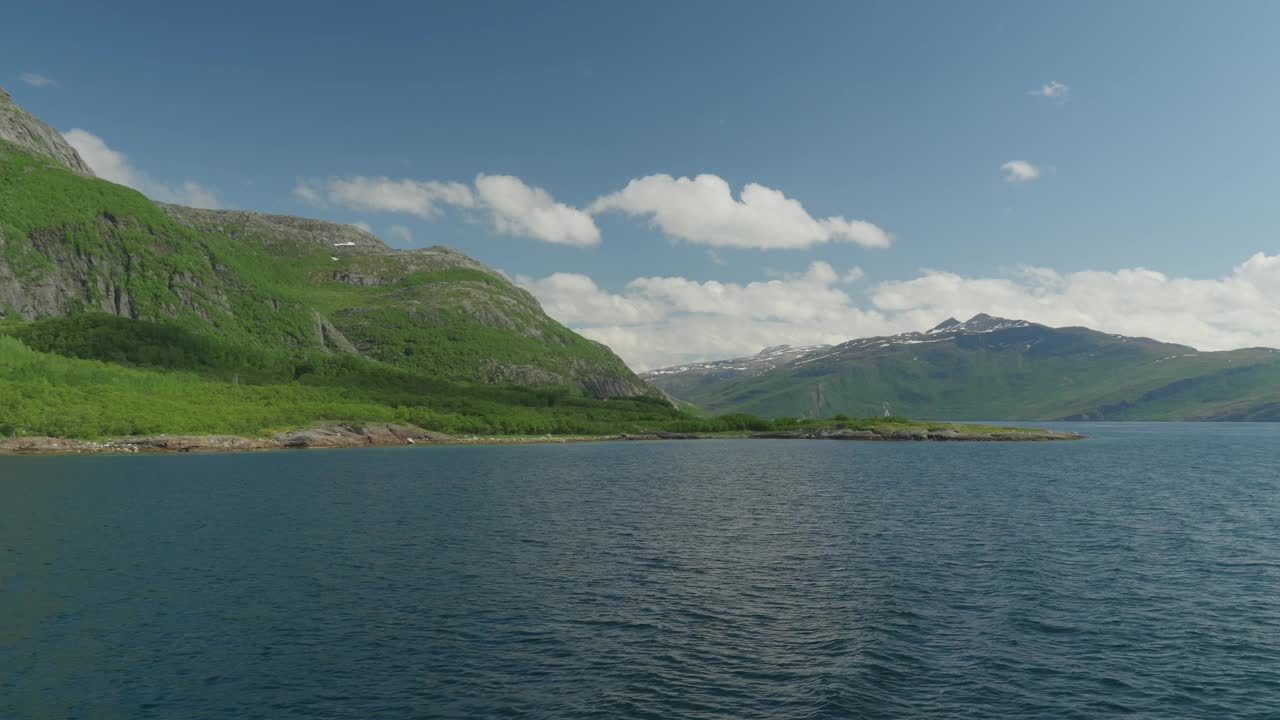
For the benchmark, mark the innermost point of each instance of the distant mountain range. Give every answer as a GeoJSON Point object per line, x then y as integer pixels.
{"type": "Point", "coordinates": [989, 368]}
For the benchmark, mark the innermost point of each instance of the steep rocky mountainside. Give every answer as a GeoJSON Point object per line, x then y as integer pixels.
{"type": "Point", "coordinates": [990, 368]}
{"type": "Point", "coordinates": [25, 130]}
{"type": "Point", "coordinates": [71, 244]}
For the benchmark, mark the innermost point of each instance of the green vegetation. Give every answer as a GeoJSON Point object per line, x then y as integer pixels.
{"type": "Point", "coordinates": [47, 394]}
{"type": "Point", "coordinates": [270, 283]}
{"type": "Point", "coordinates": [163, 379]}
{"type": "Point", "coordinates": [119, 316]}
{"type": "Point", "coordinates": [123, 318]}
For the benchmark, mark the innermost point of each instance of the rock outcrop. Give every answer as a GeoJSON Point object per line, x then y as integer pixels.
{"type": "Point", "coordinates": [330, 435]}
{"type": "Point", "coordinates": [26, 130]}
{"type": "Point", "coordinates": [343, 435]}
{"type": "Point", "coordinates": [281, 233]}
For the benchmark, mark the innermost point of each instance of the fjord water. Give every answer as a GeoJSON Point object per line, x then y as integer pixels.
{"type": "Point", "coordinates": [1137, 572]}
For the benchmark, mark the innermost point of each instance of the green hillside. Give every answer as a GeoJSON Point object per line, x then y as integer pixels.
{"type": "Point", "coordinates": [71, 244]}
{"type": "Point", "coordinates": [1021, 372]}
{"type": "Point", "coordinates": [122, 316]}
{"type": "Point", "coordinates": [142, 393]}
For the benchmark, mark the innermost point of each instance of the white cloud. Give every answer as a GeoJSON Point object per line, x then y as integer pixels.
{"type": "Point", "coordinates": [660, 321]}
{"type": "Point", "coordinates": [1018, 171]}
{"type": "Point", "coordinates": [1238, 310]}
{"type": "Point", "coordinates": [513, 207]}
{"type": "Point", "coordinates": [113, 165]}
{"type": "Point", "coordinates": [402, 233]}
{"type": "Point", "coordinates": [1053, 90]}
{"type": "Point", "coordinates": [35, 79]}
{"type": "Point", "coordinates": [363, 226]}
{"type": "Point", "coordinates": [852, 276]}
{"type": "Point", "coordinates": [382, 194]}
{"type": "Point", "coordinates": [575, 299]}
{"type": "Point", "coordinates": [703, 210]}
{"type": "Point", "coordinates": [518, 209]}
{"type": "Point", "coordinates": [308, 194]}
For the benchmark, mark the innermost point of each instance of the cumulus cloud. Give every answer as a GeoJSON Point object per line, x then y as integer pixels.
{"type": "Point", "coordinates": [703, 210]}
{"type": "Point", "coordinates": [382, 194]}
{"type": "Point", "coordinates": [1052, 90]}
{"type": "Point", "coordinates": [1237, 310]}
{"type": "Point", "coordinates": [401, 233]}
{"type": "Point", "coordinates": [1019, 171]}
{"type": "Point", "coordinates": [113, 165]}
{"type": "Point", "coordinates": [35, 79]}
{"type": "Point", "coordinates": [513, 207]}
{"type": "Point", "coordinates": [575, 299]}
{"type": "Point", "coordinates": [519, 209]}
{"type": "Point", "coordinates": [659, 321]}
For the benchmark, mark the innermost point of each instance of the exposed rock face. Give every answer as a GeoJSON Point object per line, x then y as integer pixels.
{"type": "Point", "coordinates": [279, 232]}
{"type": "Point", "coordinates": [330, 337]}
{"type": "Point", "coordinates": [496, 372]}
{"type": "Point", "coordinates": [69, 280]}
{"type": "Point", "coordinates": [329, 435]}
{"type": "Point", "coordinates": [192, 443]}
{"type": "Point", "coordinates": [24, 129]}
{"type": "Point", "coordinates": [610, 386]}
{"type": "Point", "coordinates": [340, 435]}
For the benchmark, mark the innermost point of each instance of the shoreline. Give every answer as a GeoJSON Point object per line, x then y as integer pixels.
{"type": "Point", "coordinates": [346, 435]}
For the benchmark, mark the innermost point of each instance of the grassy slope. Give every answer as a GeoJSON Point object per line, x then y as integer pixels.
{"type": "Point", "coordinates": [48, 394]}
{"type": "Point", "coordinates": [1084, 374]}
{"type": "Point", "coordinates": [449, 322]}
{"type": "Point", "coordinates": [44, 393]}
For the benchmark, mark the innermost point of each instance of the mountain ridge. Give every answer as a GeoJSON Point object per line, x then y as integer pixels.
{"type": "Point", "coordinates": [27, 131]}
{"type": "Point", "coordinates": [992, 367]}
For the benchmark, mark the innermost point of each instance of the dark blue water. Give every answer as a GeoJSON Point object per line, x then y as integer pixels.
{"type": "Point", "coordinates": [1136, 573]}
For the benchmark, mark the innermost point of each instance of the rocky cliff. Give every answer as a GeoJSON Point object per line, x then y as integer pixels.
{"type": "Point", "coordinates": [27, 131]}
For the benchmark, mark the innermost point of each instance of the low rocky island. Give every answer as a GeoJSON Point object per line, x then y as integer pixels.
{"type": "Point", "coordinates": [945, 433]}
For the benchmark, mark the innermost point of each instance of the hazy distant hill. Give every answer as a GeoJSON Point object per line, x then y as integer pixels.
{"type": "Point", "coordinates": [990, 368]}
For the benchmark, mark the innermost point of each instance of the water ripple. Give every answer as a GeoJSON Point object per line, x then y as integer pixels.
{"type": "Point", "coordinates": [1137, 574]}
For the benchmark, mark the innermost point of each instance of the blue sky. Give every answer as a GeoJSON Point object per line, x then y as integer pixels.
{"type": "Point", "coordinates": [1162, 153]}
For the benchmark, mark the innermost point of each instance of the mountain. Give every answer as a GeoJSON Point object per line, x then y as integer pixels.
{"type": "Point", "coordinates": [71, 244]}
{"type": "Point", "coordinates": [96, 271]}
{"type": "Point", "coordinates": [989, 368]}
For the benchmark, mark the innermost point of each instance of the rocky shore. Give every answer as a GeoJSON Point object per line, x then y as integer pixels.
{"type": "Point", "coordinates": [342, 435]}
{"type": "Point", "coordinates": [329, 435]}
